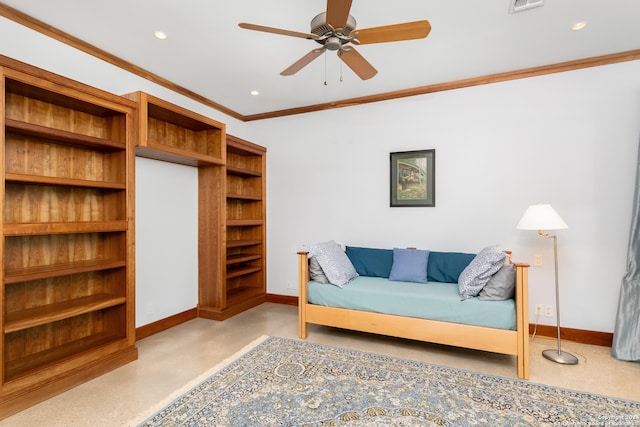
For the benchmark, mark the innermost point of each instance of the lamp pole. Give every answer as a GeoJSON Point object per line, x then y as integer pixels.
{"type": "Point", "coordinates": [558, 356]}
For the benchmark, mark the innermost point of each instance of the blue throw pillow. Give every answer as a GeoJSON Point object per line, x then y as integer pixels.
{"type": "Point", "coordinates": [446, 267]}
{"type": "Point", "coordinates": [409, 265]}
{"type": "Point", "coordinates": [371, 262]}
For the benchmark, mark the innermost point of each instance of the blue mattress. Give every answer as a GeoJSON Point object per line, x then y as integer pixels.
{"type": "Point", "coordinates": [433, 300]}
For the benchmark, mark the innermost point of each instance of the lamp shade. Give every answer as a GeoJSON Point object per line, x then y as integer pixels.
{"type": "Point", "coordinates": [541, 217]}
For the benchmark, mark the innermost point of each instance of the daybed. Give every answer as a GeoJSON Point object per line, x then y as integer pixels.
{"type": "Point", "coordinates": [431, 326]}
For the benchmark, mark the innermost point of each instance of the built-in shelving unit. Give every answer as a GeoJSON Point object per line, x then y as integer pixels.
{"type": "Point", "coordinates": [67, 235]}
{"type": "Point", "coordinates": [231, 201]}
{"type": "Point", "coordinates": [174, 134]}
{"type": "Point", "coordinates": [245, 284]}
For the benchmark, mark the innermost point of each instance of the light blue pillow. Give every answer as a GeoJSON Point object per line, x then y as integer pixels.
{"type": "Point", "coordinates": [473, 278]}
{"type": "Point", "coordinates": [409, 265]}
{"type": "Point", "coordinates": [334, 262]}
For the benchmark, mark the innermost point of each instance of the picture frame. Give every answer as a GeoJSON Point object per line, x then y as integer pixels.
{"type": "Point", "coordinates": [413, 178]}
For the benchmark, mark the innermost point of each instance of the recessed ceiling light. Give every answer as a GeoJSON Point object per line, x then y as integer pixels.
{"type": "Point", "coordinates": [578, 26]}
{"type": "Point", "coordinates": [255, 93]}
{"type": "Point", "coordinates": [160, 35]}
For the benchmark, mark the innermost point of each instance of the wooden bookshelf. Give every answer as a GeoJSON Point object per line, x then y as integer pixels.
{"type": "Point", "coordinates": [245, 275]}
{"type": "Point", "coordinates": [67, 235]}
{"type": "Point", "coordinates": [174, 134]}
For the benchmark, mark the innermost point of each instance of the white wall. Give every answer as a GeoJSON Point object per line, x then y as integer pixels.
{"type": "Point", "coordinates": [166, 239]}
{"type": "Point", "coordinates": [567, 139]}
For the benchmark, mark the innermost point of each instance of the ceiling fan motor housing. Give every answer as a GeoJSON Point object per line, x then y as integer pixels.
{"type": "Point", "coordinates": [332, 38]}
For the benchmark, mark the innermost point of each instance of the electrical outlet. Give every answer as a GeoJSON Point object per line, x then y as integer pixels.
{"type": "Point", "coordinates": [537, 260]}
{"type": "Point", "coordinates": [545, 310]}
{"type": "Point", "coordinates": [539, 310]}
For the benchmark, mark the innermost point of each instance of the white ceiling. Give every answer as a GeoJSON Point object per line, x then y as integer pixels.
{"type": "Point", "coordinates": [207, 53]}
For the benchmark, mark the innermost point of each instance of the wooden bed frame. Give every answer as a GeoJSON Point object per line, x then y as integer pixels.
{"type": "Point", "coordinates": [515, 343]}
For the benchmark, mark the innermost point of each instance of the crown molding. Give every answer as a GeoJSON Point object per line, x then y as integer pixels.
{"type": "Point", "coordinates": [61, 36]}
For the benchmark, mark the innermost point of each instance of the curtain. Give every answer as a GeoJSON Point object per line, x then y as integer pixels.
{"type": "Point", "coordinates": [626, 335]}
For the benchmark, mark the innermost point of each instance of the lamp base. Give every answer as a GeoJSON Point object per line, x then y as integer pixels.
{"type": "Point", "coordinates": [560, 357]}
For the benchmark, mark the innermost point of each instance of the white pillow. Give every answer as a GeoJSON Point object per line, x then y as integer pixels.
{"type": "Point", "coordinates": [334, 262]}
{"type": "Point", "coordinates": [476, 275]}
{"type": "Point", "coordinates": [315, 271]}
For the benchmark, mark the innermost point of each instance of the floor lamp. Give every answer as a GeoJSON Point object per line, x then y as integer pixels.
{"type": "Point", "coordinates": [544, 217]}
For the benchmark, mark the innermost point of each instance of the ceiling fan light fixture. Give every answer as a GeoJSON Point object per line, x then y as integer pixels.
{"type": "Point", "coordinates": [333, 43]}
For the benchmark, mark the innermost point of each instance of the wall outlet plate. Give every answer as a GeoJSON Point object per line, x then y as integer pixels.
{"type": "Point", "coordinates": [538, 309]}
{"type": "Point", "coordinates": [548, 311]}
{"type": "Point", "coordinates": [537, 260]}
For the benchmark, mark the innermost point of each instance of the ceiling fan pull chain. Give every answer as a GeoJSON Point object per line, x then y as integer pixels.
{"type": "Point", "coordinates": [325, 68]}
{"type": "Point", "coordinates": [340, 71]}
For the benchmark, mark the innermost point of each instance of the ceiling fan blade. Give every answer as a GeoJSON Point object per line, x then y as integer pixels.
{"type": "Point", "coordinates": [393, 33]}
{"type": "Point", "coordinates": [357, 63]}
{"type": "Point", "coordinates": [274, 30]}
{"type": "Point", "coordinates": [338, 13]}
{"type": "Point", "coordinates": [302, 62]}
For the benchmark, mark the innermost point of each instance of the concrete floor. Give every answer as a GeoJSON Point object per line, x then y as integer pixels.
{"type": "Point", "coordinates": [169, 360]}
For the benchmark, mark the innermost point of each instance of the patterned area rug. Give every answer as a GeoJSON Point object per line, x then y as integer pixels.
{"type": "Point", "coordinates": [284, 382]}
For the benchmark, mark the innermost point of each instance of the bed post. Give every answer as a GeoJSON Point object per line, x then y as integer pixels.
{"type": "Point", "coordinates": [522, 313]}
{"type": "Point", "coordinates": [303, 280]}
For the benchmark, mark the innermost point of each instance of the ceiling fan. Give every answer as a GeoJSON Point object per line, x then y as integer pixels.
{"type": "Point", "coordinates": [335, 30]}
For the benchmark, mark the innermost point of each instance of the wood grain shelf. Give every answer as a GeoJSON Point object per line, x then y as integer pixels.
{"type": "Point", "coordinates": [243, 148]}
{"type": "Point", "coordinates": [241, 271]}
{"type": "Point", "coordinates": [241, 258]}
{"type": "Point", "coordinates": [61, 136]}
{"type": "Point", "coordinates": [69, 182]}
{"type": "Point", "coordinates": [244, 197]}
{"type": "Point", "coordinates": [241, 243]}
{"type": "Point", "coordinates": [56, 270]}
{"type": "Point", "coordinates": [232, 170]}
{"type": "Point", "coordinates": [158, 151]}
{"type": "Point", "coordinates": [29, 229]}
{"type": "Point", "coordinates": [19, 320]}
{"type": "Point", "coordinates": [244, 222]}
{"type": "Point", "coordinates": [43, 360]}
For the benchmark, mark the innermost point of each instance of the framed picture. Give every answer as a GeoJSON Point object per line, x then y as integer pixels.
{"type": "Point", "coordinates": [413, 178]}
